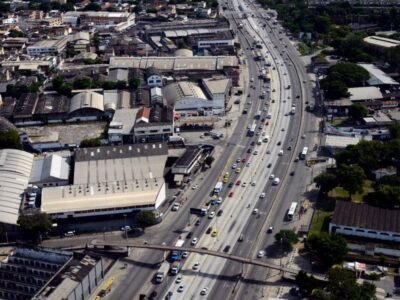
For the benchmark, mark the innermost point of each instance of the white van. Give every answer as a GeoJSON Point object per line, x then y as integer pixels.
{"type": "Point", "coordinates": [276, 181]}
{"type": "Point", "coordinates": [259, 142]}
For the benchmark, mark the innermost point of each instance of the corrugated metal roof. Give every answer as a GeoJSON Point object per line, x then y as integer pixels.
{"type": "Point", "coordinates": [366, 216]}
{"type": "Point", "coordinates": [15, 169]}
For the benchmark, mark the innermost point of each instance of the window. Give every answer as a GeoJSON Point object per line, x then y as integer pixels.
{"type": "Point", "coordinates": [360, 230]}
{"type": "Point", "coordinates": [166, 129]}
{"type": "Point", "coordinates": [348, 229]}
{"type": "Point", "coordinates": [372, 232]}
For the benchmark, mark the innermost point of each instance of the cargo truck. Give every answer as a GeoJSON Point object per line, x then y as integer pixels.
{"type": "Point", "coordinates": [175, 268]}
{"type": "Point", "coordinates": [176, 254]}
{"type": "Point", "coordinates": [162, 272]}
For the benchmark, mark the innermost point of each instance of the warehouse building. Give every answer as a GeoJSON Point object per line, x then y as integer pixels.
{"type": "Point", "coordinates": [112, 180]}
{"type": "Point", "coordinates": [15, 169]}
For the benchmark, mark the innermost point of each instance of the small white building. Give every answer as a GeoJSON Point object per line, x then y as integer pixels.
{"type": "Point", "coordinates": [48, 47]}
{"type": "Point", "coordinates": [50, 170]}
{"type": "Point", "coordinates": [156, 95]}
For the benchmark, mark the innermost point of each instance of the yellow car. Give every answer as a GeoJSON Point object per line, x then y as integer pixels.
{"type": "Point", "coordinates": [214, 233]}
{"type": "Point", "coordinates": [226, 179]}
{"type": "Point", "coordinates": [238, 170]}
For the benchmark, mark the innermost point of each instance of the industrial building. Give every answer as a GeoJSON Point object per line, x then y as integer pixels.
{"type": "Point", "coordinates": [110, 180]}
{"type": "Point", "coordinates": [15, 169]}
{"type": "Point", "coordinates": [50, 170]}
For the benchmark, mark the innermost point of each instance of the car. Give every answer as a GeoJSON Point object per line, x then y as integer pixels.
{"type": "Point", "coordinates": [214, 233]}
{"type": "Point", "coordinates": [253, 183]}
{"type": "Point", "coordinates": [209, 229]}
{"type": "Point", "coordinates": [195, 187]}
{"type": "Point", "coordinates": [270, 229]}
{"type": "Point", "coordinates": [269, 165]}
{"type": "Point", "coordinates": [291, 173]}
{"type": "Point", "coordinates": [230, 184]}
{"type": "Point", "coordinates": [126, 228]}
{"type": "Point", "coordinates": [244, 159]}
{"type": "Point", "coordinates": [178, 279]}
{"type": "Point", "coordinates": [283, 129]}
{"type": "Point", "coordinates": [248, 164]}
{"type": "Point", "coordinates": [255, 211]}
{"type": "Point", "coordinates": [260, 253]}
{"type": "Point", "coordinates": [230, 195]}
{"type": "Point", "coordinates": [255, 152]}
{"type": "Point", "coordinates": [194, 241]}
{"type": "Point", "coordinates": [198, 222]}
{"type": "Point", "coordinates": [219, 213]}
{"type": "Point", "coordinates": [169, 295]}
{"type": "Point", "coordinates": [244, 184]}
{"type": "Point", "coordinates": [185, 254]}
{"type": "Point", "coordinates": [252, 143]}
{"type": "Point", "coordinates": [70, 233]}
{"type": "Point", "coordinates": [268, 152]}
{"type": "Point", "coordinates": [289, 148]}
{"type": "Point", "coordinates": [234, 166]}
{"type": "Point", "coordinates": [272, 176]}
{"type": "Point", "coordinates": [303, 136]}
{"type": "Point", "coordinates": [238, 160]}
{"type": "Point", "coordinates": [279, 143]}
{"type": "Point", "coordinates": [249, 150]}
{"type": "Point", "coordinates": [175, 207]}
{"type": "Point", "coordinates": [296, 159]}
{"type": "Point", "coordinates": [189, 235]}
{"type": "Point", "coordinates": [204, 291]}
{"type": "Point", "coordinates": [298, 96]}
{"type": "Point", "coordinates": [211, 215]}
{"type": "Point", "coordinates": [219, 200]}
{"type": "Point", "coordinates": [238, 182]}
{"type": "Point", "coordinates": [227, 248]}
{"type": "Point", "coordinates": [262, 195]}
{"type": "Point", "coordinates": [196, 266]}
{"type": "Point", "coordinates": [180, 289]}
{"type": "Point", "coordinates": [238, 170]}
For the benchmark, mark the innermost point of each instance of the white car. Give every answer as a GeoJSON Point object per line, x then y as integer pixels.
{"type": "Point", "coordinates": [175, 207]}
{"type": "Point", "coordinates": [204, 291]}
{"type": "Point", "coordinates": [211, 215]}
{"type": "Point", "coordinates": [185, 254]}
{"type": "Point", "coordinates": [178, 279]}
{"type": "Point", "coordinates": [194, 241]}
{"type": "Point", "coordinates": [234, 166]}
{"type": "Point", "coordinates": [260, 253]}
{"type": "Point", "coordinates": [253, 183]}
{"type": "Point", "coordinates": [248, 164]}
{"type": "Point", "coordinates": [262, 196]}
{"type": "Point", "coordinates": [280, 153]}
{"type": "Point", "coordinates": [272, 176]}
{"type": "Point", "coordinates": [126, 228]}
{"type": "Point", "coordinates": [180, 288]}
{"type": "Point", "coordinates": [196, 266]}
{"type": "Point", "coordinates": [195, 187]}
{"type": "Point", "coordinates": [255, 211]}
{"type": "Point", "coordinates": [219, 200]}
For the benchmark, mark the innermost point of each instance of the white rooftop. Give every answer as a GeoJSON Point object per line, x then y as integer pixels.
{"type": "Point", "coordinates": [337, 141]}
{"type": "Point", "coordinates": [365, 93]}
{"type": "Point", "coordinates": [377, 76]}
{"type": "Point", "coordinates": [381, 41]}
{"type": "Point", "coordinates": [123, 121]}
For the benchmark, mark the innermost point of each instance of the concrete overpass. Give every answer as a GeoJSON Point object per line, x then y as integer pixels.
{"type": "Point", "coordinates": [243, 260]}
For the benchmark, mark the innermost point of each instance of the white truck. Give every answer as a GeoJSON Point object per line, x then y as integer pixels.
{"type": "Point", "coordinates": [162, 272]}
{"type": "Point", "coordinates": [175, 268]}
{"type": "Point", "coordinates": [293, 110]}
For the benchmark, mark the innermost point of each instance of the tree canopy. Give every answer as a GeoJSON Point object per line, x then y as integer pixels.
{"type": "Point", "coordinates": [146, 218]}
{"type": "Point", "coordinates": [95, 142]}
{"type": "Point", "coordinates": [358, 111]}
{"type": "Point", "coordinates": [351, 178]}
{"type": "Point", "coordinates": [286, 239]}
{"type": "Point", "coordinates": [330, 249]}
{"type": "Point", "coordinates": [35, 224]}
{"type": "Point", "coordinates": [10, 140]}
{"type": "Point", "coordinates": [326, 181]}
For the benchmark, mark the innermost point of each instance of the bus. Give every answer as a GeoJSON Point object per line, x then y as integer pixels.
{"type": "Point", "coordinates": [218, 187]}
{"type": "Point", "coordinates": [252, 129]}
{"type": "Point", "coordinates": [292, 211]}
{"type": "Point", "coordinates": [303, 153]}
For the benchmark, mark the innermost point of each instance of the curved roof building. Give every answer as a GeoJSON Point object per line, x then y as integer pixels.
{"type": "Point", "coordinates": [86, 103]}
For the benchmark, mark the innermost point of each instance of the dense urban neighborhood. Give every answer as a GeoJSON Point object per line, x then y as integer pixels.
{"type": "Point", "coordinates": [238, 149]}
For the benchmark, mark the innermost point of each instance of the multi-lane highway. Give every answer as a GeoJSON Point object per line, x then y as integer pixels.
{"type": "Point", "coordinates": [284, 130]}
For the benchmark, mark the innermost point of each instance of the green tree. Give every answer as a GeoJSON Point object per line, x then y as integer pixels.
{"type": "Point", "coordinates": [120, 84]}
{"type": "Point", "coordinates": [146, 218]}
{"type": "Point", "coordinates": [137, 9]}
{"type": "Point", "coordinates": [15, 33]}
{"type": "Point", "coordinates": [82, 83]}
{"type": "Point", "coordinates": [134, 82]}
{"type": "Point", "coordinates": [322, 24]}
{"type": "Point", "coordinates": [326, 182]}
{"type": "Point", "coordinates": [285, 239]}
{"type": "Point", "coordinates": [334, 89]}
{"type": "Point", "coordinates": [358, 111]}
{"type": "Point", "coordinates": [342, 284]}
{"type": "Point", "coordinates": [209, 160]}
{"type": "Point", "coordinates": [65, 89]}
{"type": "Point", "coordinates": [10, 140]}
{"type": "Point", "coordinates": [308, 283]}
{"type": "Point", "coordinates": [151, 10]}
{"type": "Point", "coordinates": [352, 75]}
{"type": "Point", "coordinates": [57, 83]}
{"type": "Point", "coordinates": [95, 142]}
{"type": "Point", "coordinates": [395, 130]}
{"type": "Point", "coordinates": [330, 249]}
{"type": "Point", "coordinates": [351, 178]}
{"type": "Point", "coordinates": [35, 224]}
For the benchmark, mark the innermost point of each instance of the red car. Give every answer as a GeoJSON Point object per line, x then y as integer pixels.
{"type": "Point", "coordinates": [244, 159]}
{"type": "Point", "coordinates": [267, 123]}
{"type": "Point", "coordinates": [238, 182]}
{"type": "Point", "coordinates": [230, 194]}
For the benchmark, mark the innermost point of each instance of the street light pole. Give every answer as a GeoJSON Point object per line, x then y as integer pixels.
{"type": "Point", "coordinates": [126, 231]}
